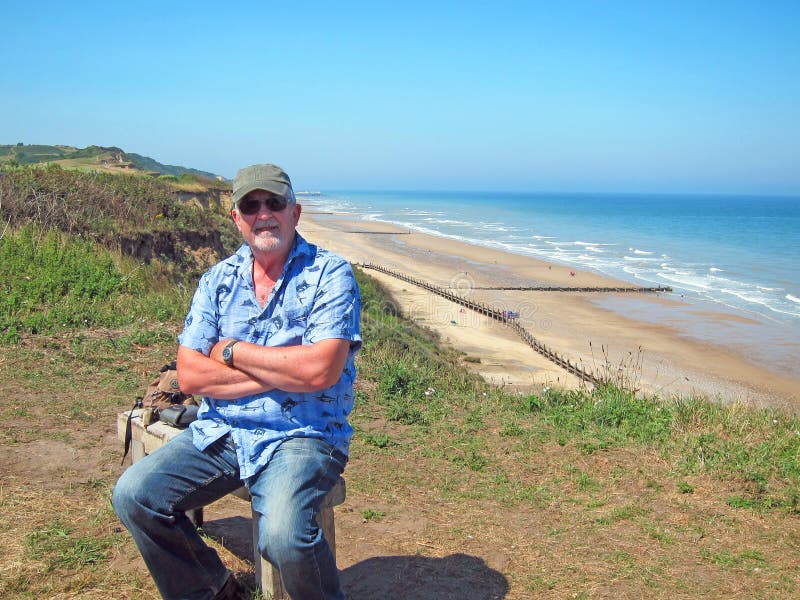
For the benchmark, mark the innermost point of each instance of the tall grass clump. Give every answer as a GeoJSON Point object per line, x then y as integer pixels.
{"type": "Point", "coordinates": [417, 382]}
{"type": "Point", "coordinates": [50, 281]}
{"type": "Point", "coordinates": [58, 547]}
{"type": "Point", "coordinates": [91, 202]}
{"type": "Point", "coordinates": [605, 417]}
{"type": "Point", "coordinates": [759, 448]}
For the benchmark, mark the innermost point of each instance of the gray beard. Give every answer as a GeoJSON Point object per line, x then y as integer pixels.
{"type": "Point", "coordinates": [266, 244]}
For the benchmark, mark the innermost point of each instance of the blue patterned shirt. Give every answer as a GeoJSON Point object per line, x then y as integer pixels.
{"type": "Point", "coordinates": [315, 298]}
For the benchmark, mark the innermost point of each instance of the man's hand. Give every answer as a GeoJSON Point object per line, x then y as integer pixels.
{"type": "Point", "coordinates": [206, 376]}
{"type": "Point", "coordinates": [290, 368]}
{"type": "Point", "coordinates": [259, 368]}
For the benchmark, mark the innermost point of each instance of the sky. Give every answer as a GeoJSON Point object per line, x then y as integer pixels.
{"type": "Point", "coordinates": [583, 96]}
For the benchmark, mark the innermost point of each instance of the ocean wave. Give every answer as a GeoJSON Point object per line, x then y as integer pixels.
{"type": "Point", "coordinates": [335, 208]}
{"type": "Point", "coordinates": [637, 251]}
{"type": "Point", "coordinates": [794, 299]}
{"type": "Point", "coordinates": [715, 270]}
{"type": "Point", "coordinates": [761, 300]}
{"type": "Point", "coordinates": [578, 243]}
{"type": "Point", "coordinates": [747, 295]}
{"type": "Point", "coordinates": [677, 271]}
{"type": "Point", "coordinates": [494, 227]}
{"type": "Point", "coordinates": [695, 283]}
{"type": "Point", "coordinates": [641, 259]}
{"type": "Point", "coordinates": [440, 221]}
{"type": "Point", "coordinates": [636, 273]}
{"type": "Point", "coordinates": [724, 280]}
{"type": "Point", "coordinates": [415, 212]}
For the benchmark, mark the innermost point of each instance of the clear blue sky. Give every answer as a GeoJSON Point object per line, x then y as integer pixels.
{"type": "Point", "coordinates": [571, 96]}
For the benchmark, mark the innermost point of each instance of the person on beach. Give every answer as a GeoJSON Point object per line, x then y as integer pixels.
{"type": "Point", "coordinates": [269, 343]}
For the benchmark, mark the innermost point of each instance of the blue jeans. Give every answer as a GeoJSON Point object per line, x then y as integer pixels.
{"type": "Point", "coordinates": [152, 496]}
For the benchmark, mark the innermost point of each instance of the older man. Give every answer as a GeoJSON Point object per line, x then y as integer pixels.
{"type": "Point", "coordinates": [269, 343]}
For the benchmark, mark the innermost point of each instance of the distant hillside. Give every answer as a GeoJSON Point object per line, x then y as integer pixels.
{"type": "Point", "coordinates": [97, 158]}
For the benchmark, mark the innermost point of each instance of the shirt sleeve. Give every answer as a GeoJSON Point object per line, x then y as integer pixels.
{"type": "Point", "coordinates": [201, 327]}
{"type": "Point", "coordinates": [336, 312]}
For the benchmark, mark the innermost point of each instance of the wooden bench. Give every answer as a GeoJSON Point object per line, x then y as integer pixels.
{"type": "Point", "coordinates": [145, 440]}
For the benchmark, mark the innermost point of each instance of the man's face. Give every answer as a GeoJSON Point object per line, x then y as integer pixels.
{"type": "Point", "coordinates": [267, 230]}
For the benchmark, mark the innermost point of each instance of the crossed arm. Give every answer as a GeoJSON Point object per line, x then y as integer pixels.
{"type": "Point", "coordinates": [261, 368]}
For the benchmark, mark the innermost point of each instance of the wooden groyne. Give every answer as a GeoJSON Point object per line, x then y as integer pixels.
{"type": "Point", "coordinates": [643, 290]}
{"type": "Point", "coordinates": [497, 315]}
{"type": "Point", "coordinates": [379, 232]}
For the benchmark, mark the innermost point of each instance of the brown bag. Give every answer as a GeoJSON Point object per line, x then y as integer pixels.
{"type": "Point", "coordinates": [164, 391]}
{"type": "Point", "coordinates": [161, 393]}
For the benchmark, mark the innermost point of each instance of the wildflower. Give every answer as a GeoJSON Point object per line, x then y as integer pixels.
{"type": "Point", "coordinates": [429, 391]}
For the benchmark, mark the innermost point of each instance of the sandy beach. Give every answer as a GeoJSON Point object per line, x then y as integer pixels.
{"type": "Point", "coordinates": [647, 354]}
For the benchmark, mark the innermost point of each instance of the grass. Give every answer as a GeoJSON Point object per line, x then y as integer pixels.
{"type": "Point", "coordinates": [607, 493]}
{"type": "Point", "coordinates": [372, 515]}
{"type": "Point", "coordinates": [97, 204]}
{"type": "Point", "coordinates": [50, 282]}
{"type": "Point", "coordinates": [57, 546]}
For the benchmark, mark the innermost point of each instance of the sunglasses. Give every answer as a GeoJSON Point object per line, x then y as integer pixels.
{"type": "Point", "coordinates": [250, 206]}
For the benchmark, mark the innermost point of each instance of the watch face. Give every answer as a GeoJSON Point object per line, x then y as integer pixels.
{"type": "Point", "coordinates": [227, 353]}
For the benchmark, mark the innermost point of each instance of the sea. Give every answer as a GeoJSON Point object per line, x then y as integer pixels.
{"type": "Point", "coordinates": [736, 255]}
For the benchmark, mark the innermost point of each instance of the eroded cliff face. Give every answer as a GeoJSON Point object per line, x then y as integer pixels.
{"type": "Point", "coordinates": [216, 200]}
{"type": "Point", "coordinates": [192, 250]}
{"type": "Point", "coordinates": [170, 245]}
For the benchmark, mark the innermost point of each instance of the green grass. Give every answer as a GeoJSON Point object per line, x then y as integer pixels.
{"type": "Point", "coordinates": [58, 547]}
{"type": "Point", "coordinates": [50, 282]}
{"type": "Point", "coordinates": [372, 515]}
{"type": "Point", "coordinates": [83, 202]}
{"type": "Point", "coordinates": [734, 560]}
{"type": "Point", "coordinates": [379, 440]}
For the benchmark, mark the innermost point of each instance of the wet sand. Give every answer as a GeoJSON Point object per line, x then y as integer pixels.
{"type": "Point", "coordinates": [620, 335]}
